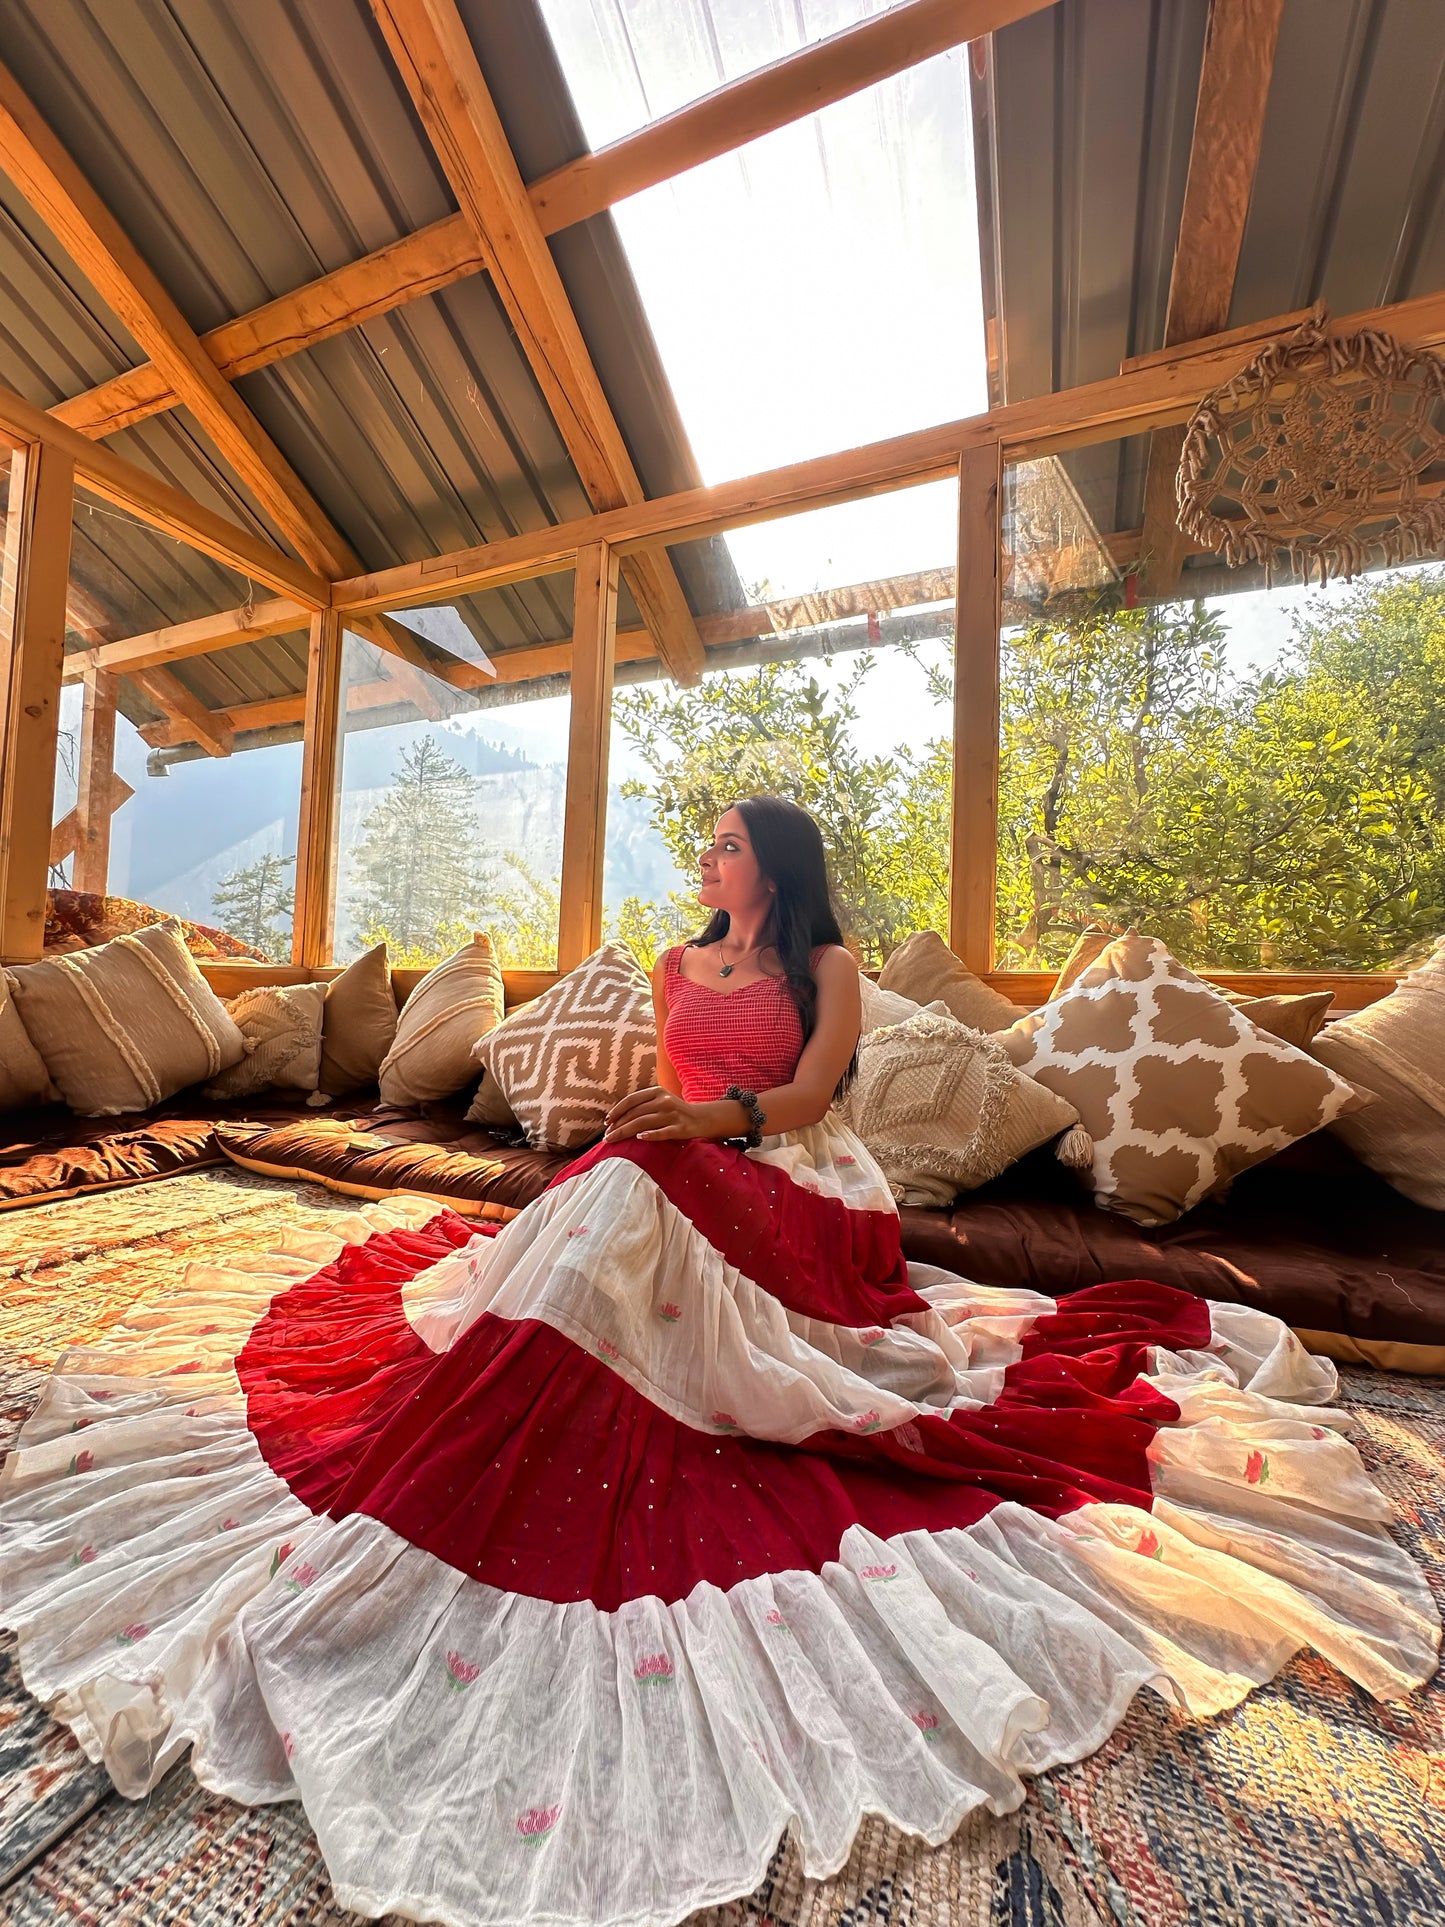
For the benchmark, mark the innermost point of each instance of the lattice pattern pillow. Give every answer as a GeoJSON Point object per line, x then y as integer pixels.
{"type": "Point", "coordinates": [1177, 1090]}
{"type": "Point", "coordinates": [561, 1063]}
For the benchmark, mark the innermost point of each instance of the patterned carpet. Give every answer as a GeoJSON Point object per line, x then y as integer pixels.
{"type": "Point", "coordinates": [1308, 1807]}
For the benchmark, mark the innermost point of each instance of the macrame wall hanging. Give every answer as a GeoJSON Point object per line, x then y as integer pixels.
{"type": "Point", "coordinates": [1325, 451]}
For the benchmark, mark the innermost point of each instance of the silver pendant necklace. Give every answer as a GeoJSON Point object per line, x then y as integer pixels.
{"type": "Point", "coordinates": [727, 969]}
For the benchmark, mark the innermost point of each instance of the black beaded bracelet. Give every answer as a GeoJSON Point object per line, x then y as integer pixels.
{"type": "Point", "coordinates": [757, 1117]}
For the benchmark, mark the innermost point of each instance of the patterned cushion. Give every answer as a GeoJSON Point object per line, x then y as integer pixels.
{"type": "Point", "coordinates": [925, 969]}
{"type": "Point", "coordinates": [1177, 1090]}
{"type": "Point", "coordinates": [1396, 1049]}
{"type": "Point", "coordinates": [125, 1025]}
{"type": "Point", "coordinates": [452, 1006]}
{"type": "Point", "coordinates": [23, 1077]}
{"type": "Point", "coordinates": [943, 1110]}
{"type": "Point", "coordinates": [563, 1061]}
{"type": "Point", "coordinates": [281, 1024]}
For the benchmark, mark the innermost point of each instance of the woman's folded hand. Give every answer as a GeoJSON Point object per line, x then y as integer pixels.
{"type": "Point", "coordinates": [658, 1113]}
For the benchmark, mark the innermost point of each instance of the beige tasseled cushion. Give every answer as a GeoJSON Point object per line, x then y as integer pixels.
{"type": "Point", "coordinates": [443, 1020]}
{"type": "Point", "coordinates": [1178, 1090]}
{"type": "Point", "coordinates": [925, 969]}
{"type": "Point", "coordinates": [24, 1079]}
{"type": "Point", "coordinates": [1396, 1049]}
{"type": "Point", "coordinates": [943, 1110]}
{"type": "Point", "coordinates": [127, 1024]}
{"type": "Point", "coordinates": [358, 1025]}
{"type": "Point", "coordinates": [281, 1024]}
{"type": "Point", "coordinates": [564, 1060]}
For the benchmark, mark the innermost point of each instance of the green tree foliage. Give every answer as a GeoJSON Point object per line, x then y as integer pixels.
{"type": "Point", "coordinates": [420, 880]}
{"type": "Point", "coordinates": [884, 818]}
{"type": "Point", "coordinates": [255, 904]}
{"type": "Point", "coordinates": [647, 929]}
{"type": "Point", "coordinates": [1290, 820]}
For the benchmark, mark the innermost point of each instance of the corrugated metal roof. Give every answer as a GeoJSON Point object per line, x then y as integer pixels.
{"type": "Point", "coordinates": [1085, 114]}
{"type": "Point", "coordinates": [246, 150]}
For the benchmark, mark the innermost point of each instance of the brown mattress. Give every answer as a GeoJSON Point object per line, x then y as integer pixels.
{"type": "Point", "coordinates": [1310, 1236]}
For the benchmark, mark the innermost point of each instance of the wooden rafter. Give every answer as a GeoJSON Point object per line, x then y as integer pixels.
{"type": "Point", "coordinates": [1239, 47]}
{"type": "Point", "coordinates": [434, 56]}
{"type": "Point", "coordinates": [114, 479]}
{"type": "Point", "coordinates": [50, 180]}
{"type": "Point", "coordinates": [447, 251]}
{"type": "Point", "coordinates": [250, 623]}
{"type": "Point", "coordinates": [171, 696]}
{"type": "Point", "coordinates": [1142, 398]}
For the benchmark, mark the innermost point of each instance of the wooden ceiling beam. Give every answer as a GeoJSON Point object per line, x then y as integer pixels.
{"type": "Point", "coordinates": [1234, 77]}
{"type": "Point", "coordinates": [447, 251]}
{"type": "Point", "coordinates": [70, 207]}
{"type": "Point", "coordinates": [171, 696]}
{"type": "Point", "coordinates": [434, 56]}
{"type": "Point", "coordinates": [1125, 404]}
{"type": "Point", "coordinates": [102, 472]}
{"type": "Point", "coordinates": [250, 623]}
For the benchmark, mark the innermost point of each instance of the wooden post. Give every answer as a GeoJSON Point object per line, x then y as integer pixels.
{"type": "Point", "coordinates": [33, 582]}
{"type": "Point", "coordinates": [312, 924]}
{"type": "Point", "coordinates": [584, 827]}
{"type": "Point", "coordinates": [95, 781]}
{"type": "Point", "coordinates": [973, 869]}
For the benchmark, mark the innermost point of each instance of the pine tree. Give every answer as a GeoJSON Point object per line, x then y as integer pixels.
{"type": "Point", "coordinates": [250, 902]}
{"type": "Point", "coordinates": [419, 877]}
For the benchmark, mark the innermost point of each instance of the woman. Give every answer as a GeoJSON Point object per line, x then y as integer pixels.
{"type": "Point", "coordinates": [559, 1572]}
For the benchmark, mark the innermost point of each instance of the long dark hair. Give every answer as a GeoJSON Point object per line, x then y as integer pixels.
{"type": "Point", "coordinates": [789, 848]}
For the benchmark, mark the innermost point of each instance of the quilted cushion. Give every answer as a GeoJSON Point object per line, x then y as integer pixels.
{"type": "Point", "coordinates": [281, 1024]}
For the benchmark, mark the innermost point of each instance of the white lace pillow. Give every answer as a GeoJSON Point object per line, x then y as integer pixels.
{"type": "Point", "coordinates": [562, 1061]}
{"type": "Point", "coordinates": [127, 1024]}
{"type": "Point", "coordinates": [281, 1024]}
{"type": "Point", "coordinates": [943, 1110]}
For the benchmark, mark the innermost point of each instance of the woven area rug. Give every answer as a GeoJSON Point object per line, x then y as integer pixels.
{"type": "Point", "coordinates": [1310, 1806]}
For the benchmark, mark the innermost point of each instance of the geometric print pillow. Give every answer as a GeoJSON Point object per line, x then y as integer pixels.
{"type": "Point", "coordinates": [1178, 1090]}
{"type": "Point", "coordinates": [563, 1061]}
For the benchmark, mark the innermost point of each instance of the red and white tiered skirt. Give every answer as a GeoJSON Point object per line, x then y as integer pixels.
{"type": "Point", "coordinates": [558, 1572]}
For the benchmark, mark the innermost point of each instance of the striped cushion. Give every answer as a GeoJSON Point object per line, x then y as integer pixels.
{"type": "Point", "coordinates": [565, 1059]}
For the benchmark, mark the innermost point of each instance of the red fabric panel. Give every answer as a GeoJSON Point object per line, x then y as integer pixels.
{"type": "Point", "coordinates": [523, 1462]}
{"type": "Point", "coordinates": [1133, 1309]}
{"type": "Point", "coordinates": [813, 1254]}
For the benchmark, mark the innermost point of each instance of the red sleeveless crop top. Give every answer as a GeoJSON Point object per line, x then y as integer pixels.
{"type": "Point", "coordinates": [751, 1037]}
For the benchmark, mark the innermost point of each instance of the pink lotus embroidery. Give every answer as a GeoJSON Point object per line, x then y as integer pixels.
{"type": "Point", "coordinates": [288, 1746]}
{"type": "Point", "coordinates": [191, 1412]}
{"type": "Point", "coordinates": [927, 1724]}
{"type": "Point", "coordinates": [578, 1231]}
{"type": "Point", "coordinates": [80, 1425]}
{"type": "Point", "coordinates": [1149, 1546]}
{"type": "Point", "coordinates": [1256, 1469]}
{"type": "Point", "coordinates": [878, 1575]}
{"type": "Point", "coordinates": [83, 1462]}
{"type": "Point", "coordinates": [460, 1672]}
{"type": "Point", "coordinates": [867, 1422]}
{"type": "Point", "coordinates": [191, 1365]}
{"type": "Point", "coordinates": [1317, 1431]}
{"type": "Point", "coordinates": [871, 1335]}
{"type": "Point", "coordinates": [536, 1823]}
{"type": "Point", "coordinates": [725, 1420]}
{"type": "Point", "coordinates": [103, 1395]}
{"type": "Point", "coordinates": [654, 1667]}
{"type": "Point", "coordinates": [228, 1524]}
{"type": "Point", "coordinates": [669, 1314]}
{"type": "Point", "coordinates": [303, 1577]}
{"type": "Point", "coordinates": [845, 1160]}
{"type": "Point", "coordinates": [131, 1635]}
{"type": "Point", "coordinates": [85, 1557]}
{"type": "Point", "coordinates": [777, 1621]}
{"type": "Point", "coordinates": [279, 1558]}
{"type": "Point", "coordinates": [607, 1348]}
{"type": "Point", "coordinates": [204, 1331]}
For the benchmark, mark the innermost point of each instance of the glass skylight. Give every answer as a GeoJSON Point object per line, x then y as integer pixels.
{"type": "Point", "coordinates": [817, 289]}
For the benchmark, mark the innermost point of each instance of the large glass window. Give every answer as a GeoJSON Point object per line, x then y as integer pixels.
{"type": "Point", "coordinates": [177, 781]}
{"type": "Point", "coordinates": [1254, 772]}
{"type": "Point", "coordinates": [830, 682]}
{"type": "Point", "coordinates": [820, 287]}
{"type": "Point", "coordinates": [452, 798]}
